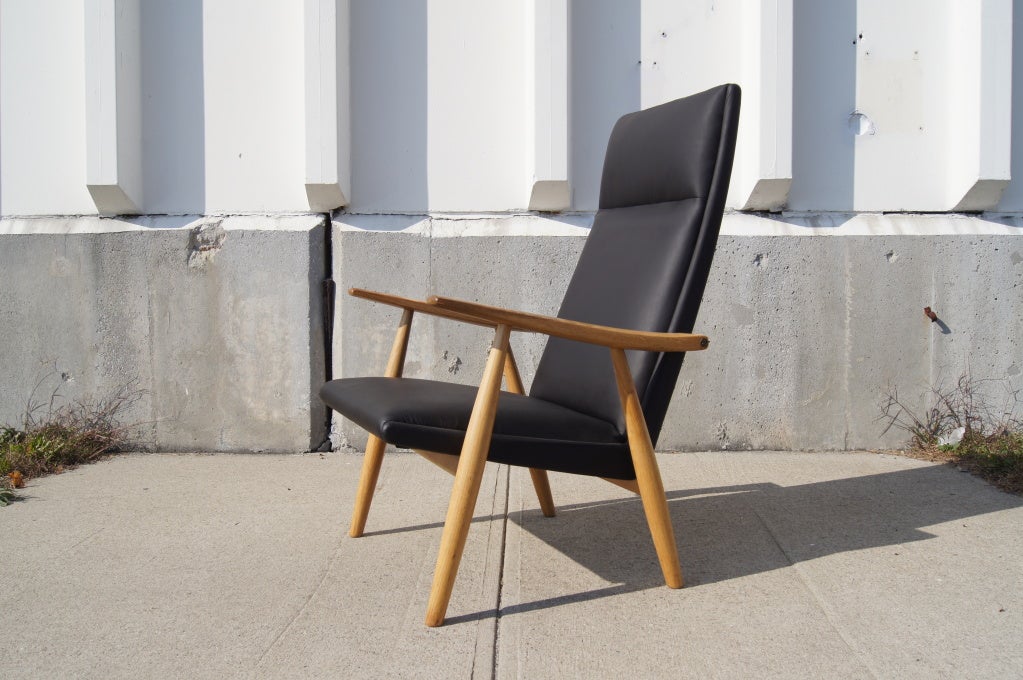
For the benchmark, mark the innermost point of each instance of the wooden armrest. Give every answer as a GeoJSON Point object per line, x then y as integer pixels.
{"type": "Point", "coordinates": [424, 306]}
{"type": "Point", "coordinates": [607, 336]}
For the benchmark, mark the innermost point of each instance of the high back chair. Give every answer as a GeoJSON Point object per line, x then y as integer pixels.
{"type": "Point", "coordinates": [606, 376]}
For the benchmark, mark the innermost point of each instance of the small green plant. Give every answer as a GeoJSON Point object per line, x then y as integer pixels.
{"type": "Point", "coordinates": [998, 458]}
{"type": "Point", "coordinates": [54, 436]}
{"type": "Point", "coordinates": [975, 424]}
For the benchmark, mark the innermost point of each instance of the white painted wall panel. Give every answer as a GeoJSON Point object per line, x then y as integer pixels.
{"type": "Point", "coordinates": [1012, 197]}
{"type": "Point", "coordinates": [824, 95]}
{"type": "Point", "coordinates": [173, 107]}
{"type": "Point", "coordinates": [546, 104]}
{"type": "Point", "coordinates": [477, 137]}
{"type": "Point", "coordinates": [902, 65]}
{"type": "Point", "coordinates": [980, 56]}
{"type": "Point", "coordinates": [113, 106]}
{"type": "Point", "coordinates": [253, 89]}
{"type": "Point", "coordinates": [604, 84]}
{"type": "Point", "coordinates": [42, 109]}
{"type": "Point", "coordinates": [438, 92]}
{"type": "Point", "coordinates": [388, 106]}
{"type": "Point", "coordinates": [327, 120]}
{"type": "Point", "coordinates": [446, 114]}
{"type": "Point", "coordinates": [688, 47]}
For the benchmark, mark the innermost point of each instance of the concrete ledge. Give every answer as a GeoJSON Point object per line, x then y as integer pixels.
{"type": "Point", "coordinates": [219, 319]}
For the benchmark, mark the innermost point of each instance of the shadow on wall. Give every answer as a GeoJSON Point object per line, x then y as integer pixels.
{"type": "Point", "coordinates": [604, 82]}
{"type": "Point", "coordinates": [389, 106]}
{"type": "Point", "coordinates": [823, 92]}
{"type": "Point", "coordinates": [173, 107]}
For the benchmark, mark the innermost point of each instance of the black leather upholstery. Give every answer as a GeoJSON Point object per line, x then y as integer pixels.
{"type": "Point", "coordinates": [433, 416]}
{"type": "Point", "coordinates": [629, 275]}
{"type": "Point", "coordinates": [644, 267]}
{"type": "Point", "coordinates": [646, 261]}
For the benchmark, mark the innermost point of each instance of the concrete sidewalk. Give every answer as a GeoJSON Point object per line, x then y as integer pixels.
{"type": "Point", "coordinates": [797, 565]}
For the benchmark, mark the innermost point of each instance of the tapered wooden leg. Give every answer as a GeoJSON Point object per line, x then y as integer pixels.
{"type": "Point", "coordinates": [396, 361]}
{"type": "Point", "coordinates": [468, 477]}
{"type": "Point", "coordinates": [375, 446]}
{"type": "Point", "coordinates": [542, 486]}
{"type": "Point", "coordinates": [540, 482]}
{"type": "Point", "coordinates": [367, 484]}
{"type": "Point", "coordinates": [627, 484]}
{"type": "Point", "coordinates": [648, 476]}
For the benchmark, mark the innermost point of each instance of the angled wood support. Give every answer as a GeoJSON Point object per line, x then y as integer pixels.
{"type": "Point", "coordinates": [627, 484]}
{"type": "Point", "coordinates": [445, 461]}
{"type": "Point", "coordinates": [648, 475]}
{"type": "Point", "coordinates": [541, 484]}
{"type": "Point", "coordinates": [375, 446]}
{"type": "Point", "coordinates": [467, 479]}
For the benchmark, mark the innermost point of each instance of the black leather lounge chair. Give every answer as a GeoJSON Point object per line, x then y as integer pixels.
{"type": "Point", "coordinates": [604, 381]}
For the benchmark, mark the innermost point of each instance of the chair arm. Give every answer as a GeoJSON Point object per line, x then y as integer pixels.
{"type": "Point", "coordinates": [418, 305]}
{"type": "Point", "coordinates": [607, 336]}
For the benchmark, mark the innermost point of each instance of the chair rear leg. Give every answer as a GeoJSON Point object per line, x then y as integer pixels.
{"type": "Point", "coordinates": [468, 477]}
{"type": "Point", "coordinates": [543, 491]}
{"type": "Point", "coordinates": [540, 482]}
{"type": "Point", "coordinates": [648, 476]}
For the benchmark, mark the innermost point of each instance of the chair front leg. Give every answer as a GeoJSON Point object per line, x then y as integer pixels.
{"type": "Point", "coordinates": [375, 446]}
{"type": "Point", "coordinates": [648, 475]}
{"type": "Point", "coordinates": [468, 477]}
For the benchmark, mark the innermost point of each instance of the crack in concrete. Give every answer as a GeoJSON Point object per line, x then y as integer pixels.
{"type": "Point", "coordinates": [847, 344]}
{"type": "Point", "coordinates": [822, 604]}
{"type": "Point", "coordinates": [500, 575]}
{"type": "Point", "coordinates": [329, 297]}
{"type": "Point", "coordinates": [305, 603]}
{"type": "Point", "coordinates": [495, 624]}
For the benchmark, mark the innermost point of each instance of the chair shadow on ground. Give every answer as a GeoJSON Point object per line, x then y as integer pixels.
{"type": "Point", "coordinates": [733, 531]}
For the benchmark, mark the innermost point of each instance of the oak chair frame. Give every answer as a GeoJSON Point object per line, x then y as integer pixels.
{"type": "Point", "coordinates": [468, 467]}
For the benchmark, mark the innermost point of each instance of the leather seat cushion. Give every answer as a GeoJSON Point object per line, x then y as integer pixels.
{"type": "Point", "coordinates": [432, 416]}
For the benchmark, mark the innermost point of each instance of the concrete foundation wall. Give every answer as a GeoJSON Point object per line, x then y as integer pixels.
{"type": "Point", "coordinates": [807, 331]}
{"type": "Point", "coordinates": [218, 320]}
{"type": "Point", "coordinates": [221, 320]}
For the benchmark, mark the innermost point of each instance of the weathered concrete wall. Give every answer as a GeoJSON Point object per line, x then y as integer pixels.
{"type": "Point", "coordinates": [219, 320]}
{"type": "Point", "coordinates": [807, 331]}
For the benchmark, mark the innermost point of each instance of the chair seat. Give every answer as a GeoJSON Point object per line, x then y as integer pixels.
{"type": "Point", "coordinates": [530, 432]}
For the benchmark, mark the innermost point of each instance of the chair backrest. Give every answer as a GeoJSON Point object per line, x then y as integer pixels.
{"type": "Point", "coordinates": [645, 263]}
